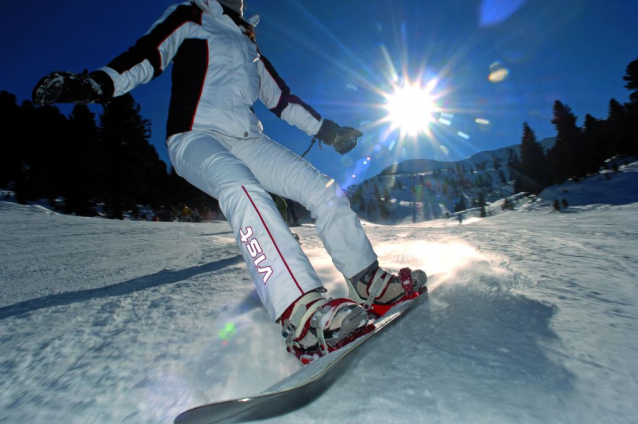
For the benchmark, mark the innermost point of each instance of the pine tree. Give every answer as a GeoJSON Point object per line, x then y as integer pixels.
{"type": "Point", "coordinates": [131, 172]}
{"type": "Point", "coordinates": [78, 164]}
{"type": "Point", "coordinates": [632, 108]}
{"type": "Point", "coordinates": [43, 137]}
{"type": "Point", "coordinates": [481, 199]}
{"type": "Point", "coordinates": [569, 155]}
{"type": "Point", "coordinates": [618, 128]}
{"type": "Point", "coordinates": [632, 80]}
{"type": "Point", "coordinates": [501, 175]}
{"type": "Point", "coordinates": [11, 142]}
{"type": "Point", "coordinates": [357, 198]}
{"type": "Point", "coordinates": [460, 205]}
{"type": "Point", "coordinates": [595, 133]}
{"type": "Point", "coordinates": [121, 174]}
{"type": "Point", "coordinates": [534, 174]}
{"type": "Point", "coordinates": [386, 196]}
{"type": "Point", "coordinates": [380, 203]}
{"type": "Point", "coordinates": [514, 170]}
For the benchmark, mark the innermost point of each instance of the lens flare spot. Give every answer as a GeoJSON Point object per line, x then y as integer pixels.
{"type": "Point", "coordinates": [498, 73]}
{"type": "Point", "coordinates": [227, 332]}
{"type": "Point", "coordinates": [463, 135]}
{"type": "Point", "coordinates": [445, 121]}
{"type": "Point", "coordinates": [484, 124]}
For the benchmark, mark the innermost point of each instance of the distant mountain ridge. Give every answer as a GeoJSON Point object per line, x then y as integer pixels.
{"type": "Point", "coordinates": [416, 166]}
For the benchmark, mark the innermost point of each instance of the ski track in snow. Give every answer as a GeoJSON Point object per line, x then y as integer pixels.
{"type": "Point", "coordinates": [133, 322]}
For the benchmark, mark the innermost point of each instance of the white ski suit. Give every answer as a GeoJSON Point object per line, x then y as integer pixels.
{"type": "Point", "coordinates": [215, 142]}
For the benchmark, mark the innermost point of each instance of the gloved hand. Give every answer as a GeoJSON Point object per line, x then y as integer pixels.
{"type": "Point", "coordinates": [69, 87]}
{"type": "Point", "coordinates": [343, 139]}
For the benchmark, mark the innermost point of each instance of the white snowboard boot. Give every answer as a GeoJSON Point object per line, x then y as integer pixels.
{"type": "Point", "coordinates": [378, 290]}
{"type": "Point", "coordinates": [315, 326]}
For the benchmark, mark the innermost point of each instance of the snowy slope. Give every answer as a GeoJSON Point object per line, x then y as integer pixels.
{"type": "Point", "coordinates": [415, 166]}
{"type": "Point", "coordinates": [607, 188]}
{"type": "Point", "coordinates": [132, 322]}
{"type": "Point", "coordinates": [424, 189]}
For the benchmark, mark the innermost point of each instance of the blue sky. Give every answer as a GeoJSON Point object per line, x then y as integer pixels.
{"type": "Point", "coordinates": [338, 55]}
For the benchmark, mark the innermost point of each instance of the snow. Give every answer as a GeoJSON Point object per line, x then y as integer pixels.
{"type": "Point", "coordinates": [608, 188]}
{"type": "Point", "coordinates": [109, 321]}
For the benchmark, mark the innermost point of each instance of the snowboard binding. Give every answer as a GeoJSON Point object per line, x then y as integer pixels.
{"type": "Point", "coordinates": [378, 290]}
{"type": "Point", "coordinates": [317, 326]}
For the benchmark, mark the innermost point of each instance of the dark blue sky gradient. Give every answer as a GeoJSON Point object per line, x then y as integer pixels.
{"type": "Point", "coordinates": [330, 54]}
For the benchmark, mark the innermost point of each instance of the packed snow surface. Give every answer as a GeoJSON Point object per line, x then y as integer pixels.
{"type": "Point", "coordinates": [133, 322]}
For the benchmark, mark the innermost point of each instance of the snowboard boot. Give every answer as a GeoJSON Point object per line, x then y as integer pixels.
{"type": "Point", "coordinates": [315, 326]}
{"type": "Point", "coordinates": [378, 290]}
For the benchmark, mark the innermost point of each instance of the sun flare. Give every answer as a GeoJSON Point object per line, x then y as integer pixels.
{"type": "Point", "coordinates": [411, 108]}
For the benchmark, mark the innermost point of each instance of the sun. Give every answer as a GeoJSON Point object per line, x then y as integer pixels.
{"type": "Point", "coordinates": [411, 108]}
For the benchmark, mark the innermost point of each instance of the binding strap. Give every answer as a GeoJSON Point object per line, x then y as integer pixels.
{"type": "Point", "coordinates": [380, 281]}
{"type": "Point", "coordinates": [304, 308]}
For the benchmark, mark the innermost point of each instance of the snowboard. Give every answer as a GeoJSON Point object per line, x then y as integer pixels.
{"type": "Point", "coordinates": [305, 385]}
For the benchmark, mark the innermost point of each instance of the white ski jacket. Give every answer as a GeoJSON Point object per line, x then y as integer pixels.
{"type": "Point", "coordinates": [218, 73]}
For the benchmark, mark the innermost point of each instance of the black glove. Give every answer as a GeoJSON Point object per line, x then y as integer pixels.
{"type": "Point", "coordinates": [69, 87]}
{"type": "Point", "coordinates": [343, 139]}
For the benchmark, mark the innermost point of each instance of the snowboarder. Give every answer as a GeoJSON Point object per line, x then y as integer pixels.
{"type": "Point", "coordinates": [215, 142]}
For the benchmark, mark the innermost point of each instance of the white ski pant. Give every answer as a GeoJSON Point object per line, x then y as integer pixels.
{"type": "Point", "coordinates": [239, 173]}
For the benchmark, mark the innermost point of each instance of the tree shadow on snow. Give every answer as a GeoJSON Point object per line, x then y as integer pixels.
{"type": "Point", "coordinates": [142, 283]}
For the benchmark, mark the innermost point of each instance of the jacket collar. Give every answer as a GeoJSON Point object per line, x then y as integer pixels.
{"type": "Point", "coordinates": [236, 5]}
{"type": "Point", "coordinates": [212, 7]}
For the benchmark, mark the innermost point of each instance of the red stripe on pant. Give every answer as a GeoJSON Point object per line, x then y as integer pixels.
{"type": "Point", "coordinates": [273, 240]}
